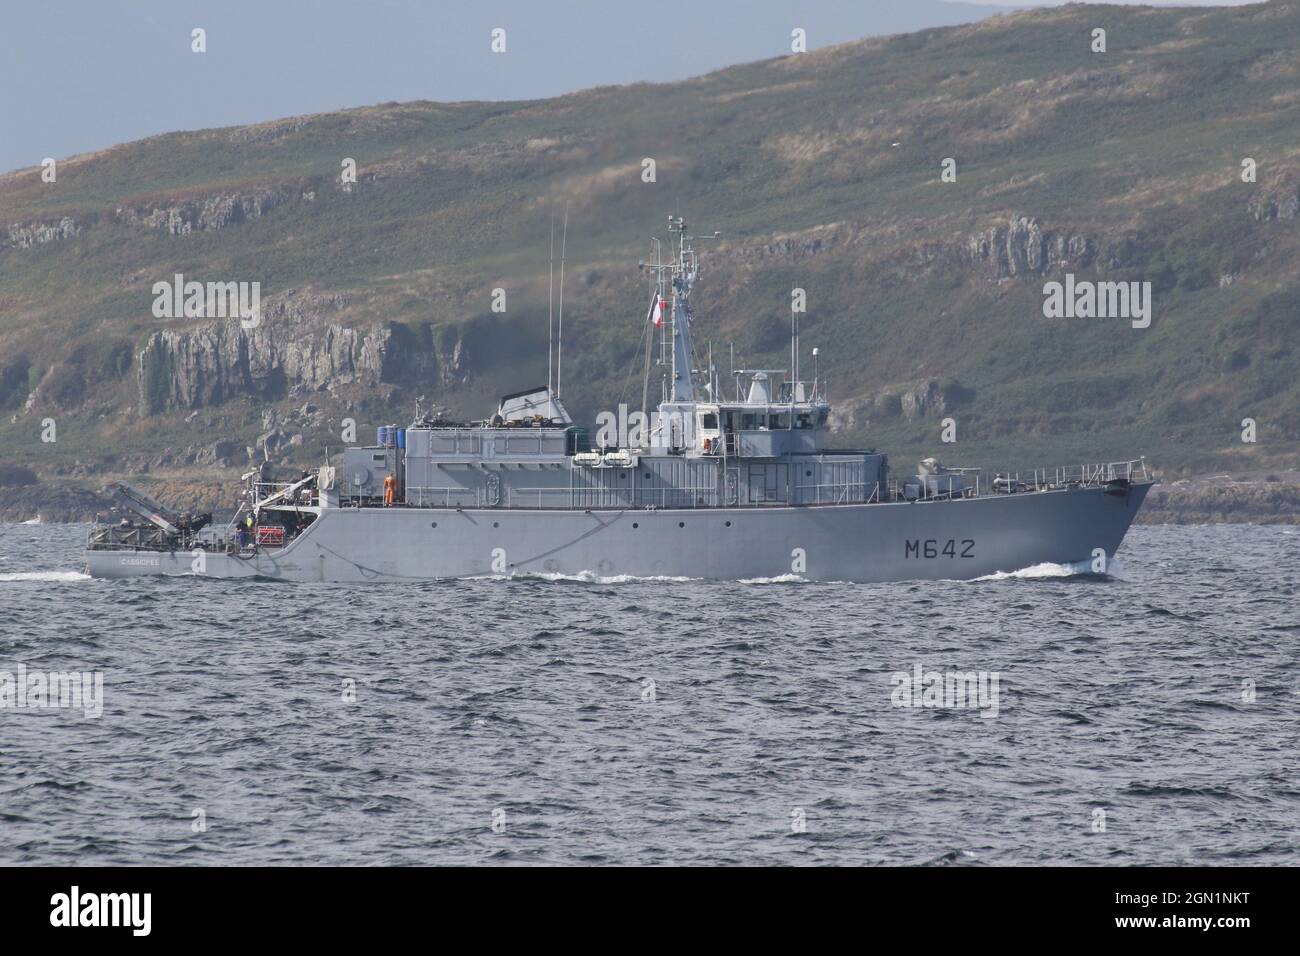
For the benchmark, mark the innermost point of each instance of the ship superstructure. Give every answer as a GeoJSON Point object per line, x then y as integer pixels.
{"type": "Point", "coordinates": [703, 485]}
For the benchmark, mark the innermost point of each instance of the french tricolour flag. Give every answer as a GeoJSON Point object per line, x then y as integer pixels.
{"type": "Point", "coordinates": [661, 308]}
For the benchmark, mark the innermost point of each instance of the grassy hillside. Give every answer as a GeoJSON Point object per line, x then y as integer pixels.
{"type": "Point", "coordinates": [821, 170]}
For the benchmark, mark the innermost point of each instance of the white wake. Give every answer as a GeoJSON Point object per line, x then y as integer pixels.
{"type": "Point", "coordinates": [51, 576]}
{"type": "Point", "coordinates": [1114, 569]}
{"type": "Point", "coordinates": [580, 577]}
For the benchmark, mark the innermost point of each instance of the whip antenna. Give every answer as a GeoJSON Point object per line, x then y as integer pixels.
{"type": "Point", "coordinates": [559, 348]}
{"type": "Point", "coordinates": [550, 317]}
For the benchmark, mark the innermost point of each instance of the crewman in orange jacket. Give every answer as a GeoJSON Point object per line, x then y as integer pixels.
{"type": "Point", "coordinates": [390, 489]}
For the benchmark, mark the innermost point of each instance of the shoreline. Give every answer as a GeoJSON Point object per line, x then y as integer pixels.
{"type": "Point", "coordinates": [1252, 498]}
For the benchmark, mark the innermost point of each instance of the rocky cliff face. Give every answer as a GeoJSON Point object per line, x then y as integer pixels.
{"type": "Point", "coordinates": [217, 211]}
{"type": "Point", "coordinates": [24, 235]}
{"type": "Point", "coordinates": [1018, 247]}
{"type": "Point", "coordinates": [1022, 247]}
{"type": "Point", "coordinates": [301, 344]}
{"type": "Point", "coordinates": [1281, 202]}
{"type": "Point", "coordinates": [1067, 163]}
{"type": "Point", "coordinates": [295, 343]}
{"type": "Point", "coordinates": [176, 217]}
{"type": "Point", "coordinates": [910, 400]}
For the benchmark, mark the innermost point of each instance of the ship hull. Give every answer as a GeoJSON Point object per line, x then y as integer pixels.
{"type": "Point", "coordinates": [904, 541]}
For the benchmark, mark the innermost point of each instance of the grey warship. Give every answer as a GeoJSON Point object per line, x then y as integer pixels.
{"type": "Point", "coordinates": [705, 486]}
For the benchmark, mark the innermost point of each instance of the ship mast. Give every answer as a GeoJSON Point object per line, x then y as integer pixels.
{"type": "Point", "coordinates": [684, 273]}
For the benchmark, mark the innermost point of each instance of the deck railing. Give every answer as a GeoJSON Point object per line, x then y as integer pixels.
{"type": "Point", "coordinates": [836, 492]}
{"type": "Point", "coordinates": [1086, 475]}
{"type": "Point", "coordinates": [427, 496]}
{"type": "Point", "coordinates": [951, 483]}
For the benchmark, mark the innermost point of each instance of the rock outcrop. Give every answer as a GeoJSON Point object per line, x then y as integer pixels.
{"type": "Point", "coordinates": [217, 211]}
{"type": "Point", "coordinates": [910, 400]}
{"type": "Point", "coordinates": [295, 343]}
{"type": "Point", "coordinates": [1018, 248]}
{"type": "Point", "coordinates": [1023, 248]}
{"type": "Point", "coordinates": [24, 235]}
{"type": "Point", "coordinates": [301, 345]}
{"type": "Point", "coordinates": [51, 502]}
{"type": "Point", "coordinates": [1277, 203]}
{"type": "Point", "coordinates": [1274, 499]}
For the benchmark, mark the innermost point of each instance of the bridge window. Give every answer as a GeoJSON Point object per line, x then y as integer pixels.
{"type": "Point", "coordinates": [709, 420]}
{"type": "Point", "coordinates": [781, 420]}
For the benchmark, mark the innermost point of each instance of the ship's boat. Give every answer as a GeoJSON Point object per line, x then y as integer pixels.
{"type": "Point", "coordinates": [722, 480]}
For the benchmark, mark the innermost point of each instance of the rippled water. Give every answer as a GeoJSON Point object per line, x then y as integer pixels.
{"type": "Point", "coordinates": [528, 703]}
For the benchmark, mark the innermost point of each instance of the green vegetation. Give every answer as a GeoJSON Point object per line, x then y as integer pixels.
{"type": "Point", "coordinates": [821, 170]}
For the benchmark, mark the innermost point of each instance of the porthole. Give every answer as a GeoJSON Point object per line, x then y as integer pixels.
{"type": "Point", "coordinates": [728, 524]}
{"type": "Point", "coordinates": [496, 524]}
{"type": "Point", "coordinates": [635, 525]}
{"type": "Point", "coordinates": [434, 525]}
{"type": "Point", "coordinates": [807, 474]}
{"type": "Point", "coordinates": [681, 524]}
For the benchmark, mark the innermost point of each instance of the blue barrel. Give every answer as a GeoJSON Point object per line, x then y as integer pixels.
{"type": "Point", "coordinates": [401, 438]}
{"type": "Point", "coordinates": [381, 436]}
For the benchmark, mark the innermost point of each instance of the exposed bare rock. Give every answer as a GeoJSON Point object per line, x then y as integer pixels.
{"type": "Point", "coordinates": [792, 246]}
{"type": "Point", "coordinates": [300, 346]}
{"type": "Point", "coordinates": [1274, 499]}
{"type": "Point", "coordinates": [1019, 248]}
{"type": "Point", "coordinates": [912, 400]}
{"type": "Point", "coordinates": [269, 132]}
{"type": "Point", "coordinates": [1023, 248]}
{"type": "Point", "coordinates": [51, 502]}
{"type": "Point", "coordinates": [25, 235]}
{"type": "Point", "coordinates": [200, 215]}
{"type": "Point", "coordinates": [923, 399]}
{"type": "Point", "coordinates": [222, 453]}
{"type": "Point", "coordinates": [1277, 203]}
{"type": "Point", "coordinates": [212, 363]}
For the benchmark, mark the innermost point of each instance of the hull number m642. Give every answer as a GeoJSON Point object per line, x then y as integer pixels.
{"type": "Point", "coordinates": [936, 548]}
